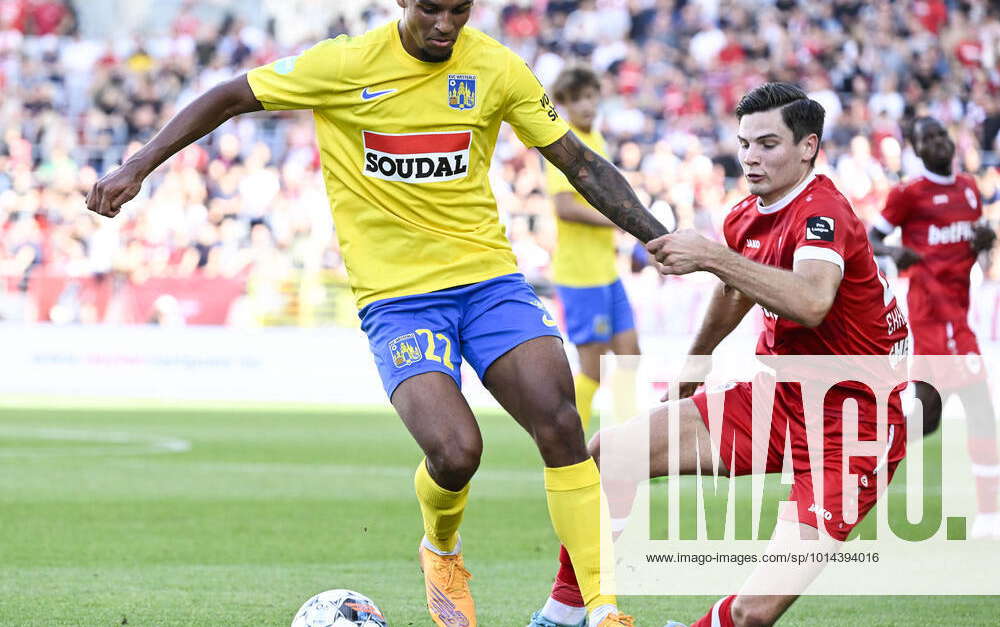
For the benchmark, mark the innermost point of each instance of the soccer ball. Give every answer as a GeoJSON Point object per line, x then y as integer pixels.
{"type": "Point", "coordinates": [339, 608]}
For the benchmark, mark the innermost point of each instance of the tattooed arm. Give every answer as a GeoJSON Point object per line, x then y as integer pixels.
{"type": "Point", "coordinates": [603, 186]}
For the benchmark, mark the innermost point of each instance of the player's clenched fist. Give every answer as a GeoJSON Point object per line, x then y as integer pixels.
{"type": "Point", "coordinates": [905, 257]}
{"type": "Point", "coordinates": [114, 190]}
{"type": "Point", "coordinates": [681, 252]}
{"type": "Point", "coordinates": [983, 238]}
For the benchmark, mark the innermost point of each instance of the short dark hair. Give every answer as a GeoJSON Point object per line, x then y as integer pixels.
{"type": "Point", "coordinates": [573, 80]}
{"type": "Point", "coordinates": [798, 111]}
{"type": "Point", "coordinates": [910, 129]}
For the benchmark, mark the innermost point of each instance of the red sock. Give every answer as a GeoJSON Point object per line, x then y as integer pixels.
{"type": "Point", "coordinates": [719, 614]}
{"type": "Point", "coordinates": [983, 453]}
{"type": "Point", "coordinates": [565, 589]}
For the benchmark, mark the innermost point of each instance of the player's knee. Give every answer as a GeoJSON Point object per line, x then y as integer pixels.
{"type": "Point", "coordinates": [594, 448]}
{"type": "Point", "coordinates": [751, 612]}
{"type": "Point", "coordinates": [630, 349]}
{"type": "Point", "coordinates": [932, 420]}
{"type": "Point", "coordinates": [931, 413]}
{"type": "Point", "coordinates": [559, 434]}
{"type": "Point", "coordinates": [457, 461]}
{"type": "Point", "coordinates": [930, 407]}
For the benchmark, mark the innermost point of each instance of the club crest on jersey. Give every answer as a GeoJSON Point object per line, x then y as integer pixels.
{"type": "Point", "coordinates": [417, 157]}
{"type": "Point", "coordinates": [820, 227]}
{"type": "Point", "coordinates": [970, 197]}
{"type": "Point", "coordinates": [461, 91]}
{"type": "Point", "coordinates": [405, 350]}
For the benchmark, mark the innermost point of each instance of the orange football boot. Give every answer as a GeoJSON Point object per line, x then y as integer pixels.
{"type": "Point", "coordinates": [446, 581]}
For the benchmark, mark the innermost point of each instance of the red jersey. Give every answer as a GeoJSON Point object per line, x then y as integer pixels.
{"type": "Point", "coordinates": [937, 216]}
{"type": "Point", "coordinates": [815, 221]}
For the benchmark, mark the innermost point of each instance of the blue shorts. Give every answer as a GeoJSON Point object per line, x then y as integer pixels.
{"type": "Point", "coordinates": [596, 314]}
{"type": "Point", "coordinates": [432, 332]}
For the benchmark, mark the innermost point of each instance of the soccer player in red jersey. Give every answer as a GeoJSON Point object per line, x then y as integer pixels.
{"type": "Point", "coordinates": [795, 248]}
{"type": "Point", "coordinates": [940, 214]}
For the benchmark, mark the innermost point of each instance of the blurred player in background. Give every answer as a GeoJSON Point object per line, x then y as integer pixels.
{"type": "Point", "coordinates": [407, 117]}
{"type": "Point", "coordinates": [595, 306]}
{"type": "Point", "coordinates": [796, 248]}
{"type": "Point", "coordinates": [940, 214]}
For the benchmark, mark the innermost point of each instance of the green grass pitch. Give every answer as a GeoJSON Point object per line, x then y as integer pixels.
{"type": "Point", "coordinates": [108, 518]}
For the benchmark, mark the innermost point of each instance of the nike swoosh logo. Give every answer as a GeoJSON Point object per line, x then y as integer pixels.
{"type": "Point", "coordinates": [547, 321]}
{"type": "Point", "coordinates": [368, 95]}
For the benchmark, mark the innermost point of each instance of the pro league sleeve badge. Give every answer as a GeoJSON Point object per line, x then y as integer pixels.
{"type": "Point", "coordinates": [820, 228]}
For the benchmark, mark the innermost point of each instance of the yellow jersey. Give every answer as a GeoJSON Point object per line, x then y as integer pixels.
{"type": "Point", "coordinates": [585, 253]}
{"type": "Point", "coordinates": [405, 148]}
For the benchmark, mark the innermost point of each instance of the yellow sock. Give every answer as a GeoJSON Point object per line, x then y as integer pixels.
{"type": "Point", "coordinates": [585, 390]}
{"type": "Point", "coordinates": [623, 393]}
{"type": "Point", "coordinates": [574, 496]}
{"type": "Point", "coordinates": [442, 509]}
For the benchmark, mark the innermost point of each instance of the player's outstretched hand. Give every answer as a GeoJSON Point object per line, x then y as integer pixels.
{"type": "Point", "coordinates": [983, 238]}
{"type": "Point", "coordinates": [905, 257]}
{"type": "Point", "coordinates": [680, 252]}
{"type": "Point", "coordinates": [114, 190]}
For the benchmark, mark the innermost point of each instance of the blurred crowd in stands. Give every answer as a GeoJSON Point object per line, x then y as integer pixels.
{"type": "Point", "coordinates": [248, 203]}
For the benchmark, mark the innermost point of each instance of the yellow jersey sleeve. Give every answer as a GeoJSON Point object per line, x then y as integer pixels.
{"type": "Point", "coordinates": [300, 82]}
{"type": "Point", "coordinates": [529, 109]}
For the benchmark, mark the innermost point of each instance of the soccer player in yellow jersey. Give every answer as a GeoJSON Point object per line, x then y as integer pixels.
{"type": "Point", "coordinates": [595, 306]}
{"type": "Point", "coordinates": [407, 116]}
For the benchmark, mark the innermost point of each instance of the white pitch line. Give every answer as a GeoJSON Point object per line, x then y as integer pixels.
{"type": "Point", "coordinates": [124, 443]}
{"type": "Point", "coordinates": [404, 472]}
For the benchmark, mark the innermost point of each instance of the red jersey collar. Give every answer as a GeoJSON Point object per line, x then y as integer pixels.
{"type": "Point", "coordinates": [785, 200]}
{"type": "Point", "coordinates": [937, 178]}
